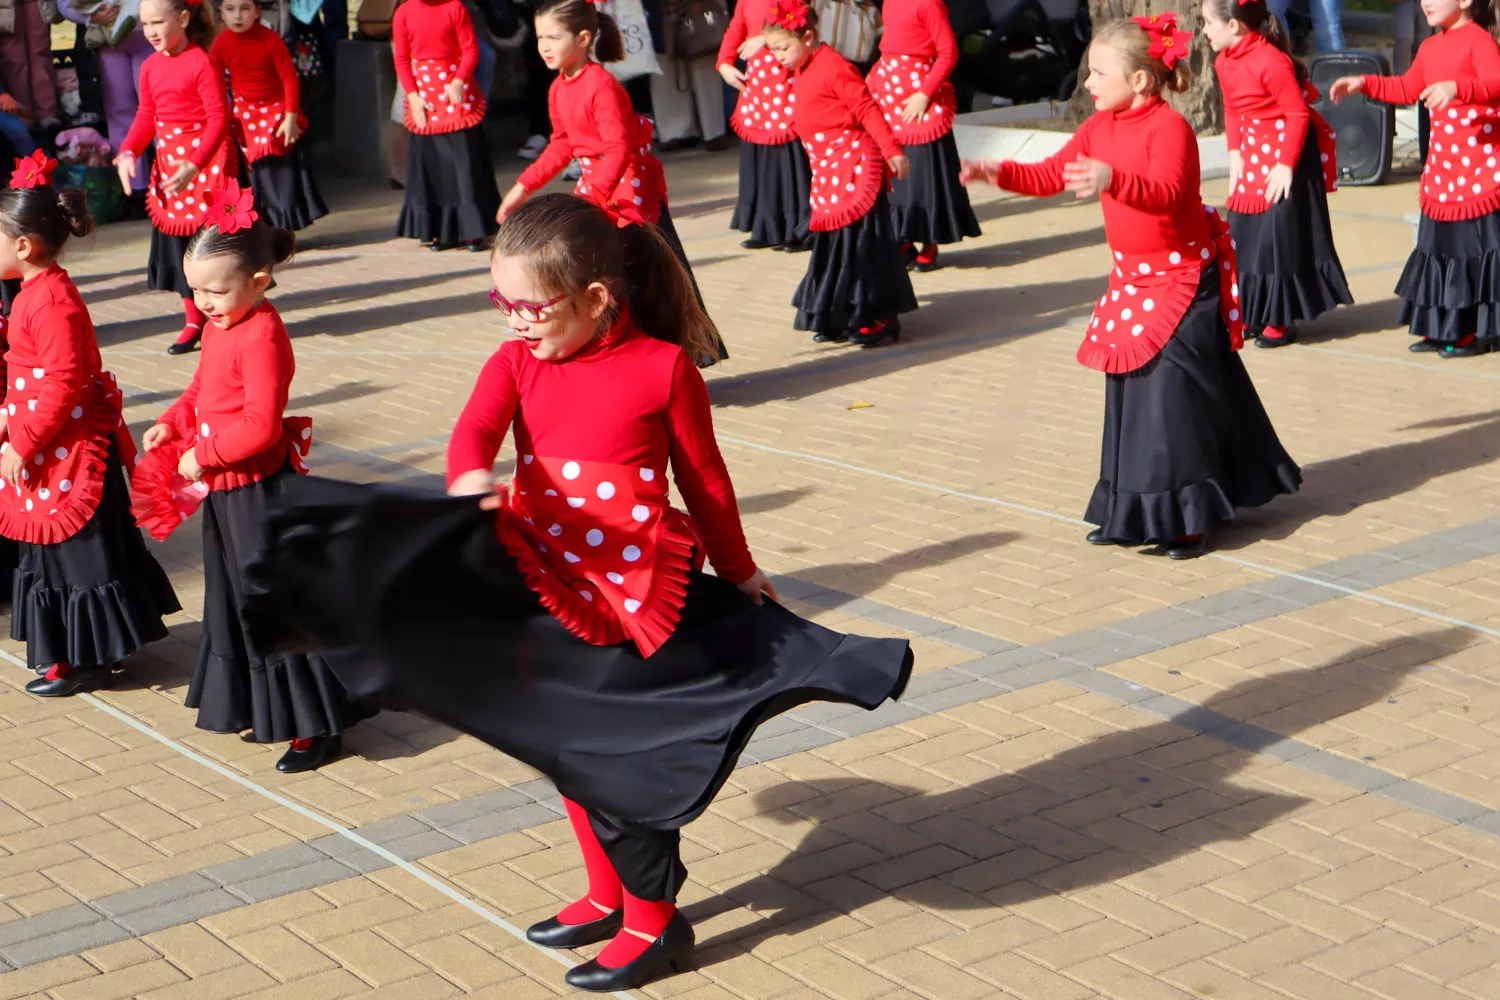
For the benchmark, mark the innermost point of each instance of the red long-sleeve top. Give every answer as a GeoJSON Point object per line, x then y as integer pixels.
{"type": "Point", "coordinates": [921, 28]}
{"type": "Point", "coordinates": [832, 96]}
{"type": "Point", "coordinates": [259, 65]}
{"type": "Point", "coordinates": [50, 332]}
{"type": "Point", "coordinates": [186, 87]}
{"type": "Point", "coordinates": [1468, 55]}
{"type": "Point", "coordinates": [632, 400]}
{"type": "Point", "coordinates": [1152, 203]}
{"type": "Point", "coordinates": [1259, 81]}
{"type": "Point", "coordinates": [433, 29]}
{"type": "Point", "coordinates": [591, 118]}
{"type": "Point", "coordinates": [748, 21]}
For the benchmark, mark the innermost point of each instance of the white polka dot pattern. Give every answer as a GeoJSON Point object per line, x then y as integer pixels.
{"type": "Point", "coordinates": [892, 82]}
{"type": "Point", "coordinates": [180, 213]}
{"type": "Point", "coordinates": [763, 113]}
{"type": "Point", "coordinates": [432, 77]}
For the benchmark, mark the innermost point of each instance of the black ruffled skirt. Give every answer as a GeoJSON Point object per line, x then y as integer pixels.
{"type": "Point", "coordinates": [1186, 439]}
{"type": "Point", "coordinates": [856, 276]}
{"type": "Point", "coordinates": [451, 196]}
{"type": "Point", "coordinates": [164, 264]}
{"type": "Point", "coordinates": [931, 206]}
{"type": "Point", "coordinates": [94, 599]}
{"type": "Point", "coordinates": [237, 686]}
{"type": "Point", "coordinates": [775, 200]}
{"type": "Point", "coordinates": [418, 606]}
{"type": "Point", "coordinates": [1289, 270]}
{"type": "Point", "coordinates": [1451, 285]}
{"type": "Point", "coordinates": [285, 193]}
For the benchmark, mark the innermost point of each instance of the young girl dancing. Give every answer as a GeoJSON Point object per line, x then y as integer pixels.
{"type": "Point", "coordinates": [1450, 287]}
{"type": "Point", "coordinates": [268, 119]}
{"type": "Point", "coordinates": [575, 629]}
{"type": "Point", "coordinates": [228, 432]}
{"type": "Point", "coordinates": [450, 183]}
{"type": "Point", "coordinates": [87, 593]}
{"type": "Point", "coordinates": [910, 82]}
{"type": "Point", "coordinates": [1186, 439]}
{"type": "Point", "coordinates": [856, 283]}
{"type": "Point", "coordinates": [775, 178]}
{"type": "Point", "coordinates": [182, 105]}
{"type": "Point", "coordinates": [1282, 162]}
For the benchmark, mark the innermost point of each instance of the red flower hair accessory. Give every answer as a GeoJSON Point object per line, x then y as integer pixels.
{"type": "Point", "coordinates": [1167, 43]}
{"type": "Point", "coordinates": [788, 14]}
{"type": "Point", "coordinates": [230, 209]}
{"type": "Point", "coordinates": [33, 171]}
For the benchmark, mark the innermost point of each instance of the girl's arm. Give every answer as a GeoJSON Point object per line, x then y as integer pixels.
{"type": "Point", "coordinates": [63, 342]}
{"type": "Point", "coordinates": [616, 122]}
{"type": "Point", "coordinates": [210, 82]}
{"type": "Point", "coordinates": [934, 16]}
{"type": "Point", "coordinates": [266, 368]}
{"type": "Point", "coordinates": [1165, 181]}
{"type": "Point", "coordinates": [144, 126]}
{"type": "Point", "coordinates": [557, 154]}
{"type": "Point", "coordinates": [291, 87]}
{"type": "Point", "coordinates": [1280, 81]}
{"type": "Point", "coordinates": [178, 417]}
{"type": "Point", "coordinates": [468, 43]}
{"type": "Point", "coordinates": [1482, 85]}
{"type": "Point", "coordinates": [1040, 180]}
{"type": "Point", "coordinates": [1403, 89]}
{"type": "Point", "coordinates": [734, 36]}
{"type": "Point", "coordinates": [401, 48]}
{"type": "Point", "coordinates": [486, 418]}
{"type": "Point", "coordinates": [701, 477]}
{"type": "Point", "coordinates": [854, 94]}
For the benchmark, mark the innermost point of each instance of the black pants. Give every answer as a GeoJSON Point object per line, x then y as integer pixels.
{"type": "Point", "coordinates": [649, 862]}
{"type": "Point", "coordinates": [538, 80]}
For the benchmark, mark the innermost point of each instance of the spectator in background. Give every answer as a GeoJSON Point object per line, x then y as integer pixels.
{"type": "Point", "coordinates": [1327, 19]}
{"type": "Point", "coordinates": [119, 79]}
{"type": "Point", "coordinates": [26, 60]}
{"type": "Point", "coordinates": [683, 86]}
{"type": "Point", "coordinates": [13, 131]}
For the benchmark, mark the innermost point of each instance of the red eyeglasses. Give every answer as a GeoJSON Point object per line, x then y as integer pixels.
{"type": "Point", "coordinates": [531, 312]}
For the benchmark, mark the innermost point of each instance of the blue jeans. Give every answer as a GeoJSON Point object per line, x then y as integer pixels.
{"type": "Point", "coordinates": [1327, 19]}
{"type": "Point", "coordinates": [484, 73]}
{"type": "Point", "coordinates": [19, 135]}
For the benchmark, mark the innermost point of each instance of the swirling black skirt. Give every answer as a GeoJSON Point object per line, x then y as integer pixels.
{"type": "Point", "coordinates": [285, 193]}
{"type": "Point", "coordinates": [931, 206]}
{"type": "Point", "coordinates": [164, 264]}
{"type": "Point", "coordinates": [856, 276]}
{"type": "Point", "coordinates": [774, 201]}
{"type": "Point", "coordinates": [1451, 284]}
{"type": "Point", "coordinates": [416, 605]}
{"type": "Point", "coordinates": [1186, 439]}
{"type": "Point", "coordinates": [451, 195]}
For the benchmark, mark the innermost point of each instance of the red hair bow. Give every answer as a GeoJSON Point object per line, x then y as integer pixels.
{"type": "Point", "coordinates": [788, 14]}
{"type": "Point", "coordinates": [1167, 43]}
{"type": "Point", "coordinates": [33, 171]}
{"type": "Point", "coordinates": [230, 209]}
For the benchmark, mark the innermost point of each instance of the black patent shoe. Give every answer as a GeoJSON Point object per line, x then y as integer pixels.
{"type": "Point", "coordinates": [754, 244]}
{"type": "Point", "coordinates": [1183, 549]}
{"type": "Point", "coordinates": [1098, 537]}
{"type": "Point", "coordinates": [85, 679]}
{"type": "Point", "coordinates": [553, 933]}
{"type": "Point", "coordinates": [1424, 346]}
{"type": "Point", "coordinates": [670, 951]}
{"type": "Point", "coordinates": [324, 750]}
{"type": "Point", "coordinates": [185, 346]}
{"type": "Point", "coordinates": [1472, 349]}
{"type": "Point", "coordinates": [831, 337]}
{"type": "Point", "coordinates": [796, 246]}
{"type": "Point", "coordinates": [874, 337]}
{"type": "Point", "coordinates": [477, 246]}
{"type": "Point", "coordinates": [1289, 337]}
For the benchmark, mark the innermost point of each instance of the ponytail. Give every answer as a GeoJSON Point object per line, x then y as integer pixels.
{"type": "Point", "coordinates": [1255, 15]}
{"type": "Point", "coordinates": [1484, 14]}
{"type": "Point", "coordinates": [578, 16]}
{"type": "Point", "coordinates": [663, 302]}
{"type": "Point", "coordinates": [45, 214]}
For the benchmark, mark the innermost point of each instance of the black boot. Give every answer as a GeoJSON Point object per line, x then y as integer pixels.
{"type": "Point", "coordinates": [670, 950]}
{"type": "Point", "coordinates": [324, 750]}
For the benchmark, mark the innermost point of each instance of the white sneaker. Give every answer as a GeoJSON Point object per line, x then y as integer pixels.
{"type": "Point", "coordinates": [533, 147]}
{"type": "Point", "coordinates": [574, 171]}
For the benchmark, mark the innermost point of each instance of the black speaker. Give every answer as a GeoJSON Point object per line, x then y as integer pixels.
{"type": "Point", "coordinates": [1366, 129]}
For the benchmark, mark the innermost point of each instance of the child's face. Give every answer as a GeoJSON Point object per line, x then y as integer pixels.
{"type": "Point", "coordinates": [560, 48]}
{"type": "Point", "coordinates": [164, 28]}
{"type": "Point", "coordinates": [562, 328]}
{"type": "Point", "coordinates": [239, 15]}
{"type": "Point", "coordinates": [13, 250]}
{"type": "Point", "coordinates": [223, 290]}
{"type": "Point", "coordinates": [792, 51]}
{"type": "Point", "coordinates": [1445, 13]}
{"type": "Point", "coordinates": [1110, 82]}
{"type": "Point", "coordinates": [1221, 34]}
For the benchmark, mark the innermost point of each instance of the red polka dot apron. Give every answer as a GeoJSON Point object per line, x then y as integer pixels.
{"type": "Point", "coordinates": [1148, 296]}
{"type": "Point", "coordinates": [255, 128]}
{"type": "Point", "coordinates": [432, 77]}
{"type": "Point", "coordinates": [1263, 145]}
{"type": "Point", "coordinates": [602, 548]}
{"type": "Point", "coordinates": [848, 175]}
{"type": "Point", "coordinates": [181, 214]}
{"type": "Point", "coordinates": [1462, 177]}
{"type": "Point", "coordinates": [61, 484]}
{"type": "Point", "coordinates": [642, 189]}
{"type": "Point", "coordinates": [896, 78]}
{"type": "Point", "coordinates": [763, 114]}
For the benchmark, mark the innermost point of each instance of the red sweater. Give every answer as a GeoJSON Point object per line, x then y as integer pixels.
{"type": "Point", "coordinates": [1467, 55]}
{"type": "Point", "coordinates": [921, 28]}
{"type": "Point", "coordinates": [433, 29]}
{"type": "Point", "coordinates": [832, 97]}
{"type": "Point", "coordinates": [1259, 81]}
{"type": "Point", "coordinates": [259, 65]}
{"type": "Point", "coordinates": [658, 413]}
{"type": "Point", "coordinates": [1152, 203]}
{"type": "Point", "coordinates": [748, 21]}
{"type": "Point", "coordinates": [187, 87]}
{"type": "Point", "coordinates": [51, 333]}
{"type": "Point", "coordinates": [592, 118]}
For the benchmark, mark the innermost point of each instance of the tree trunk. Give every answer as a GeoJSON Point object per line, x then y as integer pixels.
{"type": "Point", "coordinates": [1201, 105]}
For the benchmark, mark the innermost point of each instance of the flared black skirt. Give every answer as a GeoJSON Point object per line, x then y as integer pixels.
{"type": "Point", "coordinates": [237, 687]}
{"type": "Point", "coordinates": [1186, 439]}
{"type": "Point", "coordinates": [1288, 268]}
{"type": "Point", "coordinates": [856, 276]}
{"type": "Point", "coordinates": [1450, 287]}
{"type": "Point", "coordinates": [931, 206]}
{"type": "Point", "coordinates": [775, 201]}
{"type": "Point", "coordinates": [164, 264]}
{"type": "Point", "coordinates": [94, 599]}
{"type": "Point", "coordinates": [451, 197]}
{"type": "Point", "coordinates": [285, 193]}
{"type": "Point", "coordinates": [417, 605]}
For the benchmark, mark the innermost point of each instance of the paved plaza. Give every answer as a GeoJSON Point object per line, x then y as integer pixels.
{"type": "Point", "coordinates": [1270, 773]}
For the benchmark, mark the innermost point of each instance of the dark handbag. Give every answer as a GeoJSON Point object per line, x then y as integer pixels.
{"type": "Point", "coordinates": [696, 28]}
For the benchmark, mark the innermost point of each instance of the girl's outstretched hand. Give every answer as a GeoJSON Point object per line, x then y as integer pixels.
{"type": "Point", "coordinates": [1086, 177]}
{"type": "Point", "coordinates": [900, 166]}
{"type": "Point", "coordinates": [970, 171]}
{"type": "Point", "coordinates": [1438, 95]}
{"type": "Point", "coordinates": [757, 586]}
{"type": "Point", "coordinates": [156, 435]}
{"type": "Point", "coordinates": [1344, 86]}
{"type": "Point", "coordinates": [125, 164]}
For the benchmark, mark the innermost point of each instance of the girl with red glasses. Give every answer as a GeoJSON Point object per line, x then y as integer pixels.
{"type": "Point", "coordinates": [568, 611]}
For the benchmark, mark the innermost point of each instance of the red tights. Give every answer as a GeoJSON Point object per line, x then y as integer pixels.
{"type": "Point", "coordinates": [644, 919]}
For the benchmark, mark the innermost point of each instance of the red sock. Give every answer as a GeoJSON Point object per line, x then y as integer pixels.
{"type": "Point", "coordinates": [1188, 538]}
{"type": "Point", "coordinates": [58, 670]}
{"type": "Point", "coordinates": [1464, 341]}
{"type": "Point", "coordinates": [645, 918]}
{"type": "Point", "coordinates": [1273, 332]}
{"type": "Point", "coordinates": [929, 253]}
{"type": "Point", "coordinates": [604, 885]}
{"type": "Point", "coordinates": [302, 743]}
{"type": "Point", "coordinates": [194, 325]}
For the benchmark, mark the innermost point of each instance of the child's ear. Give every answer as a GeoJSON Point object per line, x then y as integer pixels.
{"type": "Point", "coordinates": [260, 281]}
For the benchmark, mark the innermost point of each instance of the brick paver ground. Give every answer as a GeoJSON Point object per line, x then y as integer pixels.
{"type": "Point", "coordinates": [1267, 774]}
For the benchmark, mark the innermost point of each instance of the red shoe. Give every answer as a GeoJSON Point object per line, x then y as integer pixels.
{"type": "Point", "coordinates": [927, 260]}
{"type": "Point", "coordinates": [874, 336]}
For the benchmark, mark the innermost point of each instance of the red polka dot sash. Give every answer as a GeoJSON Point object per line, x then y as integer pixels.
{"type": "Point", "coordinates": [181, 214]}
{"type": "Point", "coordinates": [255, 128]}
{"type": "Point", "coordinates": [1263, 145]}
{"type": "Point", "coordinates": [1148, 295]}
{"type": "Point", "coordinates": [601, 547]}
{"type": "Point", "coordinates": [848, 175]}
{"type": "Point", "coordinates": [1462, 177]}
{"type": "Point", "coordinates": [896, 78]}
{"type": "Point", "coordinates": [642, 189]}
{"type": "Point", "coordinates": [763, 114]}
{"type": "Point", "coordinates": [432, 77]}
